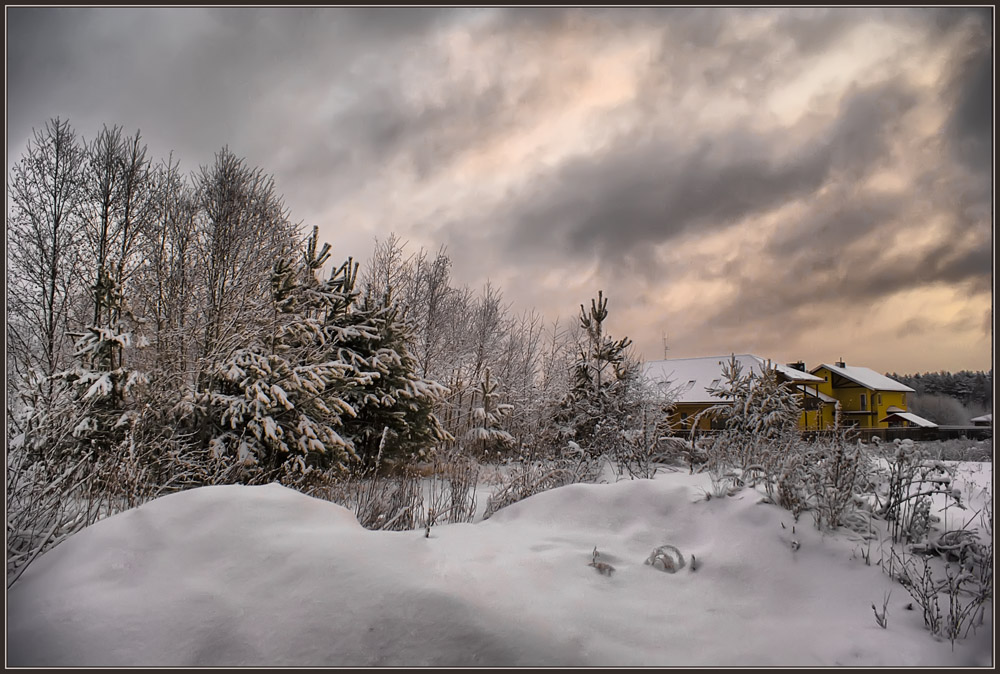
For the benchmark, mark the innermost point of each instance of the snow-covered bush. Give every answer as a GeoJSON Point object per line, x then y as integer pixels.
{"type": "Point", "coordinates": [907, 479]}
{"type": "Point", "coordinates": [666, 558]}
{"type": "Point", "coordinates": [960, 449]}
{"type": "Point", "coordinates": [522, 479]}
{"type": "Point", "coordinates": [946, 568]}
{"type": "Point", "coordinates": [759, 434]}
{"type": "Point", "coordinates": [838, 478]}
{"type": "Point", "coordinates": [646, 443]}
{"type": "Point", "coordinates": [46, 503]}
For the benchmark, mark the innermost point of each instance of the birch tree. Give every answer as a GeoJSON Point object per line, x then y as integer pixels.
{"type": "Point", "coordinates": [43, 254]}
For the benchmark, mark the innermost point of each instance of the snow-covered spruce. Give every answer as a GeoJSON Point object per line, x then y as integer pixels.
{"type": "Point", "coordinates": [320, 381]}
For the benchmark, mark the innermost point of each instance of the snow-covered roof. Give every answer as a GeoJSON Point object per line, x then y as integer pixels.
{"type": "Point", "coordinates": [866, 377]}
{"type": "Point", "coordinates": [690, 377]}
{"type": "Point", "coordinates": [912, 418]}
{"type": "Point", "coordinates": [986, 419]}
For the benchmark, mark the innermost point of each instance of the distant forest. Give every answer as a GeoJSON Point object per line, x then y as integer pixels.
{"type": "Point", "coordinates": [949, 398]}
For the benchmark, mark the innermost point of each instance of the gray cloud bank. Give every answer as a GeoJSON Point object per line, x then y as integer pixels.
{"type": "Point", "coordinates": [386, 108]}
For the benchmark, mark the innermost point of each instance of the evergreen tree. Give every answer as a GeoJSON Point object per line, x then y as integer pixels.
{"type": "Point", "coordinates": [759, 417]}
{"type": "Point", "coordinates": [104, 389]}
{"type": "Point", "coordinates": [329, 381]}
{"type": "Point", "coordinates": [395, 408]}
{"type": "Point", "coordinates": [757, 408]}
{"type": "Point", "coordinates": [486, 433]}
{"type": "Point", "coordinates": [596, 410]}
{"type": "Point", "coordinates": [277, 404]}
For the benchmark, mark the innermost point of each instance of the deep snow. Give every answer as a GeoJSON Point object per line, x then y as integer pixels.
{"type": "Point", "coordinates": [234, 575]}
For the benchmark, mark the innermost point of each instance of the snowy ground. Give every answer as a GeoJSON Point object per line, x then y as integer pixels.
{"type": "Point", "coordinates": [244, 576]}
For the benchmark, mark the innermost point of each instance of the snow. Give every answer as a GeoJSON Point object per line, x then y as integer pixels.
{"type": "Point", "coordinates": [688, 378]}
{"type": "Point", "coordinates": [912, 418]}
{"type": "Point", "coordinates": [985, 419]}
{"type": "Point", "coordinates": [265, 576]}
{"type": "Point", "coordinates": [866, 377]}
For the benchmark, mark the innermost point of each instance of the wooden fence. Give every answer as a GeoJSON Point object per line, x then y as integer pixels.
{"type": "Point", "coordinates": [890, 434]}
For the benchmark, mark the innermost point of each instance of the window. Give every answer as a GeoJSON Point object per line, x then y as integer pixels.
{"type": "Point", "coordinates": [879, 398]}
{"type": "Point", "coordinates": [864, 402]}
{"type": "Point", "coordinates": [904, 400]}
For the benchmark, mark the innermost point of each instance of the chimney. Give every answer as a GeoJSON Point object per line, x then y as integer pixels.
{"type": "Point", "coordinates": [799, 365]}
{"type": "Point", "coordinates": [841, 363]}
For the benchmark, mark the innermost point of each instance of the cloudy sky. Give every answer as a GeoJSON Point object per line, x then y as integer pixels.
{"type": "Point", "coordinates": [803, 184]}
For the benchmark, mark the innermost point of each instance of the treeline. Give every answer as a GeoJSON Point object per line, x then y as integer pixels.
{"type": "Point", "coordinates": [966, 386]}
{"type": "Point", "coordinates": [949, 398]}
{"type": "Point", "coordinates": [182, 324]}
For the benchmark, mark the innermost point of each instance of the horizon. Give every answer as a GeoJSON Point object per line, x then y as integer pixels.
{"type": "Point", "coordinates": [817, 364]}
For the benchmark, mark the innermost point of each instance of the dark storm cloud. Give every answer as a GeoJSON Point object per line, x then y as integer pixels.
{"type": "Point", "coordinates": [646, 191]}
{"type": "Point", "coordinates": [27, 31]}
{"type": "Point", "coordinates": [814, 30]}
{"type": "Point", "coordinates": [193, 75]}
{"type": "Point", "coordinates": [914, 326]}
{"type": "Point", "coordinates": [946, 19]}
{"type": "Point", "coordinates": [971, 123]}
{"type": "Point", "coordinates": [973, 266]}
{"type": "Point", "coordinates": [834, 222]}
{"type": "Point", "coordinates": [640, 194]}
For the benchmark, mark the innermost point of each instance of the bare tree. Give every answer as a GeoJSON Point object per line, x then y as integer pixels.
{"type": "Point", "coordinates": [427, 302]}
{"type": "Point", "coordinates": [43, 252]}
{"type": "Point", "coordinates": [389, 269]}
{"type": "Point", "coordinates": [165, 283]}
{"type": "Point", "coordinates": [120, 199]}
{"type": "Point", "coordinates": [243, 226]}
{"type": "Point", "coordinates": [519, 368]}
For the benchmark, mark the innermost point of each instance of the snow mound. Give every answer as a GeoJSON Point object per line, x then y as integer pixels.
{"type": "Point", "coordinates": [264, 576]}
{"type": "Point", "coordinates": [241, 576]}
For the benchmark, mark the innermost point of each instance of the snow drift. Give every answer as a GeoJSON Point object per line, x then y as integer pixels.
{"type": "Point", "coordinates": [265, 576]}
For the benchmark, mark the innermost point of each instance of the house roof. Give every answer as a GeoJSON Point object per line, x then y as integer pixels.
{"type": "Point", "coordinates": [818, 394]}
{"type": "Point", "coordinates": [986, 418]}
{"type": "Point", "coordinates": [866, 377]}
{"type": "Point", "coordinates": [690, 377]}
{"type": "Point", "coordinates": [912, 418]}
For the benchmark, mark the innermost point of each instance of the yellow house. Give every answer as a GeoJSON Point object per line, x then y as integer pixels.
{"type": "Point", "coordinates": [867, 399]}
{"type": "Point", "coordinates": [687, 381]}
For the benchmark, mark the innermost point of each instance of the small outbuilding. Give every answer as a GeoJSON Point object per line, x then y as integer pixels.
{"type": "Point", "coordinates": [898, 417]}
{"type": "Point", "coordinates": [985, 420]}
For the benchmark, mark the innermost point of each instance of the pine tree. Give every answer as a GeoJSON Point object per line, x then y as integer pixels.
{"type": "Point", "coordinates": [277, 404]}
{"type": "Point", "coordinates": [327, 382]}
{"type": "Point", "coordinates": [394, 409]}
{"type": "Point", "coordinates": [104, 388]}
{"type": "Point", "coordinates": [596, 409]}
{"type": "Point", "coordinates": [486, 432]}
{"type": "Point", "coordinates": [759, 417]}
